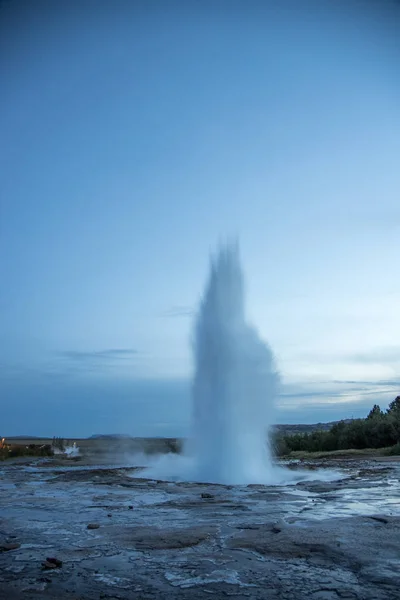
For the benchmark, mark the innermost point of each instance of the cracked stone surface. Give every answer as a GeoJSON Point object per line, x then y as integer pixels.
{"type": "Point", "coordinates": [317, 540]}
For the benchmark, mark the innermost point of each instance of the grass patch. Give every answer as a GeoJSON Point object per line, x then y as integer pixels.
{"type": "Point", "coordinates": [393, 450]}
{"type": "Point", "coordinates": [352, 452]}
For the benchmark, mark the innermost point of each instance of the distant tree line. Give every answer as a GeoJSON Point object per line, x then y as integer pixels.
{"type": "Point", "coordinates": [380, 429]}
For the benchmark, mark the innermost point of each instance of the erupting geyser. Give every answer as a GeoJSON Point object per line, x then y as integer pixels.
{"type": "Point", "coordinates": [234, 387]}
{"type": "Point", "coordinates": [235, 383]}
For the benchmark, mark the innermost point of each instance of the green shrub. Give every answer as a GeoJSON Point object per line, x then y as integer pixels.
{"type": "Point", "coordinates": [279, 446]}
{"type": "Point", "coordinates": [379, 430]}
{"type": "Point", "coordinates": [31, 450]}
{"type": "Point", "coordinates": [394, 450]}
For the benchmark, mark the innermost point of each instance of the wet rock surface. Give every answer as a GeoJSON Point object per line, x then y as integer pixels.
{"type": "Point", "coordinates": [319, 540]}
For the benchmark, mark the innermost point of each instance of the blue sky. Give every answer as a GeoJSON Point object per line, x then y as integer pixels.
{"type": "Point", "coordinates": [135, 136]}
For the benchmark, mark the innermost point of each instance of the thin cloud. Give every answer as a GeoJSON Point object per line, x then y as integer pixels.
{"type": "Point", "coordinates": [310, 394]}
{"type": "Point", "coordinates": [101, 355]}
{"type": "Point", "coordinates": [178, 312]}
{"type": "Point", "coordinates": [337, 391]}
{"type": "Point", "coordinates": [379, 383]}
{"type": "Point", "coordinates": [390, 354]}
{"type": "Point", "coordinates": [82, 362]}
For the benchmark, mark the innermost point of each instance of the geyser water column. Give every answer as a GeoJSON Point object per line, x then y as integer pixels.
{"type": "Point", "coordinates": [235, 383]}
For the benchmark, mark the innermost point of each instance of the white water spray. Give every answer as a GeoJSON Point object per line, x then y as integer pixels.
{"type": "Point", "coordinates": [72, 451]}
{"type": "Point", "coordinates": [234, 389]}
{"type": "Point", "coordinates": [235, 383]}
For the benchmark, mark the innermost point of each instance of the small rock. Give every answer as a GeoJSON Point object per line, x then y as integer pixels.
{"type": "Point", "coordinates": [276, 529]}
{"type": "Point", "coordinates": [55, 561]}
{"type": "Point", "coordinates": [93, 526]}
{"type": "Point", "coordinates": [48, 565]}
{"type": "Point", "coordinates": [379, 519]}
{"type": "Point", "coordinates": [109, 515]}
{"type": "Point", "coordinates": [8, 547]}
{"type": "Point", "coordinates": [130, 507]}
{"type": "Point", "coordinates": [205, 495]}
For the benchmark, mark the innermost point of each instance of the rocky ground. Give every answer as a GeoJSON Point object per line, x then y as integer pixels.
{"type": "Point", "coordinates": [111, 535]}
